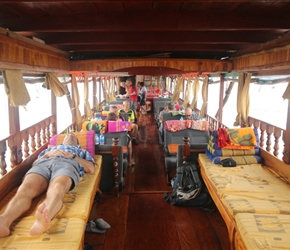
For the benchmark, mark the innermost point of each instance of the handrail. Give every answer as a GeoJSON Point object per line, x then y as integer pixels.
{"type": "Point", "coordinates": [26, 142]}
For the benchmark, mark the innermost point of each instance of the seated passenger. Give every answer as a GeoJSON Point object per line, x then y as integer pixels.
{"type": "Point", "coordinates": [112, 116]}
{"type": "Point", "coordinates": [114, 109]}
{"type": "Point", "coordinates": [56, 171]}
{"type": "Point", "coordinates": [169, 107]}
{"type": "Point", "coordinates": [190, 115]}
{"type": "Point", "coordinates": [131, 118]}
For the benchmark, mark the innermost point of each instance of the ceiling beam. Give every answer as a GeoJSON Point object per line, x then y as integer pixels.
{"type": "Point", "coordinates": [180, 37]}
{"type": "Point", "coordinates": [150, 21]}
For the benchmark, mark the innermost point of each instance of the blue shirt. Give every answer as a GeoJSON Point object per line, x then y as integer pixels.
{"type": "Point", "coordinates": [77, 150]}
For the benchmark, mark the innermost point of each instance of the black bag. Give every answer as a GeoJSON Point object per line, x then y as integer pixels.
{"type": "Point", "coordinates": [188, 188]}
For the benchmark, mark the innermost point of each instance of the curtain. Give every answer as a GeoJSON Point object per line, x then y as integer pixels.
{"type": "Point", "coordinates": [195, 90]}
{"type": "Point", "coordinates": [176, 93]}
{"type": "Point", "coordinates": [243, 100]}
{"type": "Point", "coordinates": [118, 85]}
{"type": "Point", "coordinates": [186, 93]}
{"type": "Point", "coordinates": [76, 98]}
{"type": "Point", "coordinates": [286, 94]}
{"type": "Point", "coordinates": [15, 88]}
{"type": "Point", "coordinates": [204, 97]}
{"type": "Point", "coordinates": [52, 82]}
{"type": "Point", "coordinates": [87, 105]}
{"type": "Point", "coordinates": [112, 90]}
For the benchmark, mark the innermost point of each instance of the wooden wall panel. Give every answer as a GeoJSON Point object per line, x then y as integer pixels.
{"type": "Point", "coordinates": [16, 53]}
{"type": "Point", "coordinates": [276, 59]}
{"type": "Point", "coordinates": [185, 65]}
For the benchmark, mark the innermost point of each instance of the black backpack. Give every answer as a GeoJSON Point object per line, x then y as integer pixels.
{"type": "Point", "coordinates": [188, 188]}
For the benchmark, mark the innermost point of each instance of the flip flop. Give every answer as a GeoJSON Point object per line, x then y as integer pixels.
{"type": "Point", "coordinates": [101, 224]}
{"type": "Point", "coordinates": [91, 228]}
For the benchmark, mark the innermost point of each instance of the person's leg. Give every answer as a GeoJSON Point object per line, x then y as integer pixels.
{"type": "Point", "coordinates": [32, 186]}
{"type": "Point", "coordinates": [57, 188]}
{"type": "Point", "coordinates": [134, 133]}
{"type": "Point", "coordinates": [130, 155]}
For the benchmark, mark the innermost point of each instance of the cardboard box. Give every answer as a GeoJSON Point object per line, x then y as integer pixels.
{"type": "Point", "coordinates": [118, 126]}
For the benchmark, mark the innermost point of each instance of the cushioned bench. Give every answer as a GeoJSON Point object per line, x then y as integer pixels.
{"type": "Point", "coordinates": [253, 201]}
{"type": "Point", "coordinates": [67, 228]}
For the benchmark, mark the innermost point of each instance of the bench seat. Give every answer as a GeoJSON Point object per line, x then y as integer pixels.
{"type": "Point", "coordinates": [248, 191]}
{"type": "Point", "coordinates": [67, 227]}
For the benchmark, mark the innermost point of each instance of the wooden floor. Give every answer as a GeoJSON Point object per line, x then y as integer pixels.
{"type": "Point", "coordinates": [141, 219]}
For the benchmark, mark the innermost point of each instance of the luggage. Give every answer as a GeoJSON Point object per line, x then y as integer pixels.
{"type": "Point", "coordinates": [188, 188]}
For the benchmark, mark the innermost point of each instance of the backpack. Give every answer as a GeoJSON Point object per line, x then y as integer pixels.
{"type": "Point", "coordinates": [188, 188]}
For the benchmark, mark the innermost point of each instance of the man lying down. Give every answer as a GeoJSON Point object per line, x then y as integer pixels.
{"type": "Point", "coordinates": [56, 171]}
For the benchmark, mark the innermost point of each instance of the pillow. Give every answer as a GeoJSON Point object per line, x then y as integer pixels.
{"type": "Point", "coordinates": [86, 140]}
{"type": "Point", "coordinates": [97, 126]}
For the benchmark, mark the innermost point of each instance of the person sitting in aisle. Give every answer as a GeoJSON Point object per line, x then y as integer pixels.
{"type": "Point", "coordinates": [190, 115]}
{"type": "Point", "coordinates": [133, 93]}
{"type": "Point", "coordinates": [113, 116]}
{"type": "Point", "coordinates": [131, 118]}
{"type": "Point", "coordinates": [56, 171]}
{"type": "Point", "coordinates": [143, 94]}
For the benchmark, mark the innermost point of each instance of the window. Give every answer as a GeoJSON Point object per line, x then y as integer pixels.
{"type": "Point", "coordinates": [38, 108]}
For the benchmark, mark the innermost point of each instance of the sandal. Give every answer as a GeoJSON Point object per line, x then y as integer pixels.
{"type": "Point", "coordinates": [91, 228]}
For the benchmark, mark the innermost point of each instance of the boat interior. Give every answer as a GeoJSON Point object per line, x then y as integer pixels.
{"type": "Point", "coordinates": [64, 63]}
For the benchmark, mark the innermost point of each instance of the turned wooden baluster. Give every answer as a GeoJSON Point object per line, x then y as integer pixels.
{"type": "Point", "coordinates": [3, 164]}
{"type": "Point", "coordinates": [43, 135]}
{"type": "Point", "coordinates": [115, 154]}
{"type": "Point", "coordinates": [32, 140]}
{"type": "Point", "coordinates": [26, 144]}
{"type": "Point", "coordinates": [185, 149]}
{"type": "Point", "coordinates": [277, 135]}
{"type": "Point", "coordinates": [38, 135]}
{"type": "Point", "coordinates": [269, 136]}
{"type": "Point", "coordinates": [263, 127]}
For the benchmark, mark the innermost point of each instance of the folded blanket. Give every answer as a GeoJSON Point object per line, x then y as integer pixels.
{"type": "Point", "coordinates": [240, 160]}
{"type": "Point", "coordinates": [177, 125]}
{"type": "Point", "coordinates": [237, 138]}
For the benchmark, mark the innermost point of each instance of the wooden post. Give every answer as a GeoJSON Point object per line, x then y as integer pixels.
{"type": "Point", "coordinates": [115, 154]}
{"type": "Point", "coordinates": [185, 148]}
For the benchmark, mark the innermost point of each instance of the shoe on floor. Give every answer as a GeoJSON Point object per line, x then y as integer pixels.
{"type": "Point", "coordinates": [92, 228]}
{"type": "Point", "coordinates": [101, 224]}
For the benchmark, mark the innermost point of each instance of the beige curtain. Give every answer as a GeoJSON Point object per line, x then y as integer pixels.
{"type": "Point", "coordinates": [195, 90]}
{"type": "Point", "coordinates": [286, 94]}
{"type": "Point", "coordinates": [204, 96]}
{"type": "Point", "coordinates": [76, 98]}
{"type": "Point", "coordinates": [186, 93]}
{"type": "Point", "coordinates": [167, 84]}
{"type": "Point", "coordinates": [96, 100]}
{"type": "Point", "coordinates": [176, 93]}
{"type": "Point", "coordinates": [112, 90]}
{"type": "Point", "coordinates": [52, 82]}
{"type": "Point", "coordinates": [15, 88]}
{"type": "Point", "coordinates": [243, 100]}
{"type": "Point", "coordinates": [87, 105]}
{"type": "Point", "coordinates": [118, 82]}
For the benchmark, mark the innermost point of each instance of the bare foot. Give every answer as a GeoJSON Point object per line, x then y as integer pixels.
{"type": "Point", "coordinates": [4, 229]}
{"type": "Point", "coordinates": [42, 221]}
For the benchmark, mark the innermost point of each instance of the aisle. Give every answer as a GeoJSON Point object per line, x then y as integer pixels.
{"type": "Point", "coordinates": [140, 219]}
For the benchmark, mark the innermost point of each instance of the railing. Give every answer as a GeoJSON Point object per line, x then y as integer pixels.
{"type": "Point", "coordinates": [25, 143]}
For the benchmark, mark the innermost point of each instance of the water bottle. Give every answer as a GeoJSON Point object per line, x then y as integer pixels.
{"type": "Point", "coordinates": [181, 118]}
{"type": "Point", "coordinates": [97, 139]}
{"type": "Point", "coordinates": [102, 139]}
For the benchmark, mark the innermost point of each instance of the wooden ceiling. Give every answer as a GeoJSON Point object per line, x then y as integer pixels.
{"type": "Point", "coordinates": [204, 29]}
